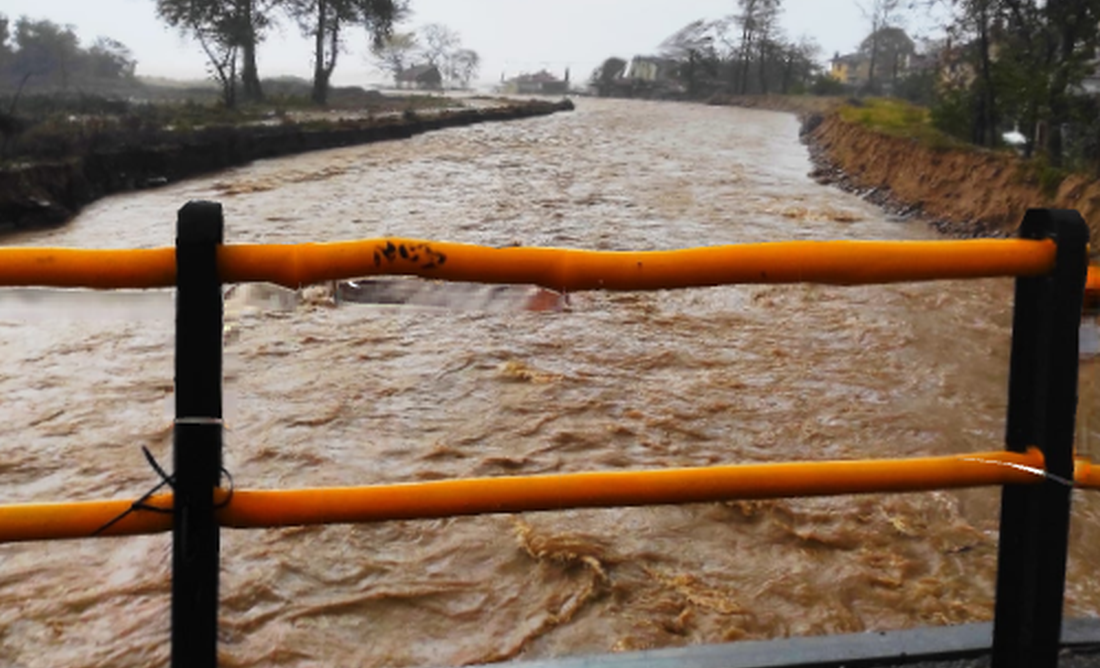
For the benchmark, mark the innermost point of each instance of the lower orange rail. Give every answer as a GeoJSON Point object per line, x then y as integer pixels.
{"type": "Point", "coordinates": [1092, 288]}
{"type": "Point", "coordinates": [279, 508]}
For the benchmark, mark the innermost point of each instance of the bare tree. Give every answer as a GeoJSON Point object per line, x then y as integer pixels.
{"type": "Point", "coordinates": [440, 43]}
{"type": "Point", "coordinates": [758, 19]}
{"type": "Point", "coordinates": [396, 53]}
{"type": "Point", "coordinates": [464, 66]}
{"type": "Point", "coordinates": [881, 14]}
{"type": "Point", "coordinates": [442, 48]}
{"type": "Point", "coordinates": [799, 63]}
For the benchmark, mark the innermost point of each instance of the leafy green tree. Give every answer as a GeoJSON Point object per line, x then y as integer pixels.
{"type": "Point", "coordinates": [1026, 60]}
{"type": "Point", "coordinates": [45, 50]}
{"type": "Point", "coordinates": [1073, 32]}
{"type": "Point", "coordinates": [225, 29]}
{"type": "Point", "coordinates": [5, 35]}
{"type": "Point", "coordinates": [326, 22]}
{"type": "Point", "coordinates": [110, 59]}
{"type": "Point", "coordinates": [696, 48]}
{"type": "Point", "coordinates": [217, 29]}
{"type": "Point", "coordinates": [251, 20]}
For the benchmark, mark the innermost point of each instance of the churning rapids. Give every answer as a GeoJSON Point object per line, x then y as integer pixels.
{"type": "Point", "coordinates": [350, 395]}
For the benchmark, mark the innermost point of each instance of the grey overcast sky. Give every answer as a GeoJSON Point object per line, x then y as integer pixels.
{"type": "Point", "coordinates": [512, 36]}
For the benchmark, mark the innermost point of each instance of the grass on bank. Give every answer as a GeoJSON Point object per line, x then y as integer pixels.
{"type": "Point", "coordinates": [898, 118]}
{"type": "Point", "coordinates": [63, 126]}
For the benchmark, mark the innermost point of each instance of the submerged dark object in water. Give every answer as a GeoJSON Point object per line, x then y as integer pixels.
{"type": "Point", "coordinates": [457, 296]}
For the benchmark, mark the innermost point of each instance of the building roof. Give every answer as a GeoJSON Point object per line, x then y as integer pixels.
{"type": "Point", "coordinates": [538, 77]}
{"type": "Point", "coordinates": [417, 72]}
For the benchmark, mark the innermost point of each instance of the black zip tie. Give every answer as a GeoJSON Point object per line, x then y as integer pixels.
{"type": "Point", "coordinates": [165, 480]}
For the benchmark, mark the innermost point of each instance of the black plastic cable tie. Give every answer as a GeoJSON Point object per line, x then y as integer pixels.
{"type": "Point", "coordinates": [140, 504]}
{"type": "Point", "coordinates": [164, 477]}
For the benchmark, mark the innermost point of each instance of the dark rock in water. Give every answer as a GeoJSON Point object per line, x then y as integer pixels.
{"type": "Point", "coordinates": [42, 213]}
{"type": "Point", "coordinates": [453, 296]}
{"type": "Point", "coordinates": [810, 122]}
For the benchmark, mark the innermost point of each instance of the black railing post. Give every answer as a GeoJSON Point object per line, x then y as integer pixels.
{"type": "Point", "coordinates": [1042, 402]}
{"type": "Point", "coordinates": [197, 438]}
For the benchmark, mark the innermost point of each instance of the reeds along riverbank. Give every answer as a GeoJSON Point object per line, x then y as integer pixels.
{"type": "Point", "coordinates": [48, 194]}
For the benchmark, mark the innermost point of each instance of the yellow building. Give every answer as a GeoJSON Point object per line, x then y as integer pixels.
{"type": "Point", "coordinates": [853, 69]}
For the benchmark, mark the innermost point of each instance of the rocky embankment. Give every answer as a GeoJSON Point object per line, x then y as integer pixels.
{"type": "Point", "coordinates": [45, 194]}
{"type": "Point", "coordinates": [962, 192]}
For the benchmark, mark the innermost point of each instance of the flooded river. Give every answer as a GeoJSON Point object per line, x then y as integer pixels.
{"type": "Point", "coordinates": [352, 395]}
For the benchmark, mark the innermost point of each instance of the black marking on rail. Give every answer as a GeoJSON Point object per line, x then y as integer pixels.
{"type": "Point", "coordinates": [415, 253]}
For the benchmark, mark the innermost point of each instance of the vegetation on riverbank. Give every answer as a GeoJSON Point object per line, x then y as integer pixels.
{"type": "Point", "coordinates": [898, 118]}
{"type": "Point", "coordinates": [60, 127]}
{"type": "Point", "coordinates": [40, 193]}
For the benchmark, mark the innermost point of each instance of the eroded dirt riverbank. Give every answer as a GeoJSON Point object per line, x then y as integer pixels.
{"type": "Point", "coordinates": [46, 194]}
{"type": "Point", "coordinates": [961, 192]}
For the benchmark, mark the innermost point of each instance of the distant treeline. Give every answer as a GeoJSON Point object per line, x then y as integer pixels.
{"type": "Point", "coordinates": [45, 56]}
{"type": "Point", "coordinates": [1025, 72]}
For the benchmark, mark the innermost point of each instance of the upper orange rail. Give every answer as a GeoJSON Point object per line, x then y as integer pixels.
{"type": "Point", "coordinates": [830, 262]}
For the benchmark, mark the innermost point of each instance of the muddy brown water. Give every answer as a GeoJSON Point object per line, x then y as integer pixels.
{"type": "Point", "coordinates": [351, 395]}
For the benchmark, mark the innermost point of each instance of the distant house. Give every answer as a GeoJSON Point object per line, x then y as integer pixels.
{"type": "Point", "coordinates": [894, 59]}
{"type": "Point", "coordinates": [853, 69]}
{"type": "Point", "coordinates": [420, 76]}
{"type": "Point", "coordinates": [539, 83]}
{"type": "Point", "coordinates": [652, 68]}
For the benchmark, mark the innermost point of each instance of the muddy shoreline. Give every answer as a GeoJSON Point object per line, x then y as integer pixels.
{"type": "Point", "coordinates": [828, 171]}
{"type": "Point", "coordinates": [49, 194]}
{"type": "Point", "coordinates": [960, 192]}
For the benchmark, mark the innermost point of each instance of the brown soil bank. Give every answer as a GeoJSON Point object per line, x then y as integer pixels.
{"type": "Point", "coordinates": [50, 193]}
{"type": "Point", "coordinates": [964, 192]}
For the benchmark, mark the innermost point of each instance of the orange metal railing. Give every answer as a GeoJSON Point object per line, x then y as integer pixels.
{"type": "Point", "coordinates": [838, 262]}
{"type": "Point", "coordinates": [830, 262]}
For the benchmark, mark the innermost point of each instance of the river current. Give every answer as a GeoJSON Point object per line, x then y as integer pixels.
{"type": "Point", "coordinates": [319, 394]}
